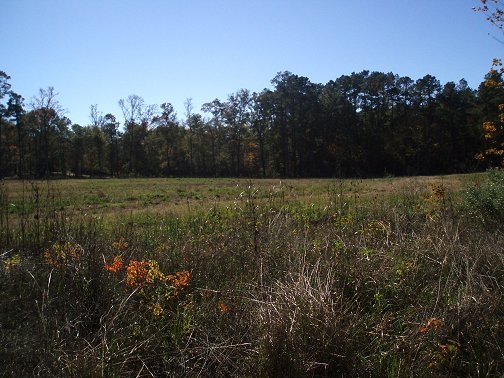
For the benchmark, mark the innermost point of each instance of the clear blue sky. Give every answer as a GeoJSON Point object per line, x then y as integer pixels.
{"type": "Point", "coordinates": [99, 51]}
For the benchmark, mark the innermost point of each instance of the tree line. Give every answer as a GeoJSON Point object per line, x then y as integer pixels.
{"type": "Point", "coordinates": [359, 125]}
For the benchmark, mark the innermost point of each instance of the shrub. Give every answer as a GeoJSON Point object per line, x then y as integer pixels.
{"type": "Point", "coordinates": [486, 201]}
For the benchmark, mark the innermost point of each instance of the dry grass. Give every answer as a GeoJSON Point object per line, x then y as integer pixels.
{"type": "Point", "coordinates": [310, 278]}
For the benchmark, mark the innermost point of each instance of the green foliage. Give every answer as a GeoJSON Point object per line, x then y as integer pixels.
{"type": "Point", "coordinates": [486, 200]}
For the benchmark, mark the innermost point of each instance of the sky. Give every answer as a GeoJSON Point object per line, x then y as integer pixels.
{"type": "Point", "coordinates": [96, 52]}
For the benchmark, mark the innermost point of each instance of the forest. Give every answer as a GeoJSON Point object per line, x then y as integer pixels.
{"type": "Point", "coordinates": [366, 124]}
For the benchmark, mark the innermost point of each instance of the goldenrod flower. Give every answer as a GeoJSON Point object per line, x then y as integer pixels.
{"type": "Point", "coordinates": [157, 309]}
{"type": "Point", "coordinates": [120, 245]}
{"type": "Point", "coordinates": [59, 254]}
{"type": "Point", "coordinates": [11, 262]}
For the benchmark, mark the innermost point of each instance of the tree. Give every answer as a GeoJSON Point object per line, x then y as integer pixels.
{"type": "Point", "coordinates": [425, 92]}
{"type": "Point", "coordinates": [137, 119]}
{"type": "Point", "coordinates": [377, 117]}
{"type": "Point", "coordinates": [296, 109]}
{"type": "Point", "coordinates": [188, 106]}
{"type": "Point", "coordinates": [110, 129]}
{"type": "Point", "coordinates": [494, 128]}
{"type": "Point", "coordinates": [49, 129]}
{"type": "Point", "coordinates": [236, 114]}
{"type": "Point", "coordinates": [96, 116]}
{"type": "Point", "coordinates": [341, 131]}
{"type": "Point", "coordinates": [493, 11]}
{"type": "Point", "coordinates": [167, 134]}
{"type": "Point", "coordinates": [4, 91]}
{"type": "Point", "coordinates": [262, 118]}
{"type": "Point", "coordinates": [78, 151]}
{"type": "Point", "coordinates": [362, 124]}
{"type": "Point", "coordinates": [218, 136]}
{"type": "Point", "coordinates": [199, 152]}
{"type": "Point", "coordinates": [457, 131]}
{"type": "Point", "coordinates": [491, 93]}
{"type": "Point", "coordinates": [16, 112]}
{"type": "Point", "coordinates": [98, 140]}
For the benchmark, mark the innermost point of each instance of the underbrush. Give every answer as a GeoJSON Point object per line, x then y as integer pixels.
{"type": "Point", "coordinates": [411, 285]}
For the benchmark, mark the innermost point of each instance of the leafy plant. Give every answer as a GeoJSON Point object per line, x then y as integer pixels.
{"type": "Point", "coordinates": [486, 201]}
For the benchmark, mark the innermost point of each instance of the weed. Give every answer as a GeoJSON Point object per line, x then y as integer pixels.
{"type": "Point", "coordinates": [486, 201]}
{"type": "Point", "coordinates": [282, 280]}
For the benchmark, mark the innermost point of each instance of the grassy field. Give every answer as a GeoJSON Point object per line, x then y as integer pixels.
{"type": "Point", "coordinates": [183, 195]}
{"type": "Point", "coordinates": [395, 277]}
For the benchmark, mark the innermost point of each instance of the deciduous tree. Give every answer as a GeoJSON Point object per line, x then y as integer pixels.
{"type": "Point", "coordinates": [4, 91]}
{"type": "Point", "coordinates": [49, 129]}
{"type": "Point", "coordinates": [137, 120]}
{"type": "Point", "coordinates": [494, 128]}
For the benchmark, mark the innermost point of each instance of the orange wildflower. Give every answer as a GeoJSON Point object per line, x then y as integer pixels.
{"type": "Point", "coordinates": [139, 273]}
{"type": "Point", "coordinates": [180, 279]}
{"type": "Point", "coordinates": [432, 323]}
{"type": "Point", "coordinates": [115, 266]}
{"type": "Point", "coordinates": [136, 273]}
{"type": "Point", "coordinates": [223, 308]}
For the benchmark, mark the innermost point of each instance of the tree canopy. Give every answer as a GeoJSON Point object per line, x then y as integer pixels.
{"type": "Point", "coordinates": [362, 124]}
{"type": "Point", "coordinates": [493, 123]}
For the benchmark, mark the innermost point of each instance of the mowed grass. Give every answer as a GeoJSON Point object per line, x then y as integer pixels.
{"type": "Point", "coordinates": [112, 197]}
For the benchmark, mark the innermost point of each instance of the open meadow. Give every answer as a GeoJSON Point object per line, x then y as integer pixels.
{"type": "Point", "coordinates": [185, 277]}
{"type": "Point", "coordinates": [106, 197]}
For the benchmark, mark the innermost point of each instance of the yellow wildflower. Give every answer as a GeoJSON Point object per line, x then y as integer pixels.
{"type": "Point", "coordinates": [11, 262]}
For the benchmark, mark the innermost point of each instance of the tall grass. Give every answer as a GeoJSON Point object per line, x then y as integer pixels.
{"type": "Point", "coordinates": [266, 285]}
